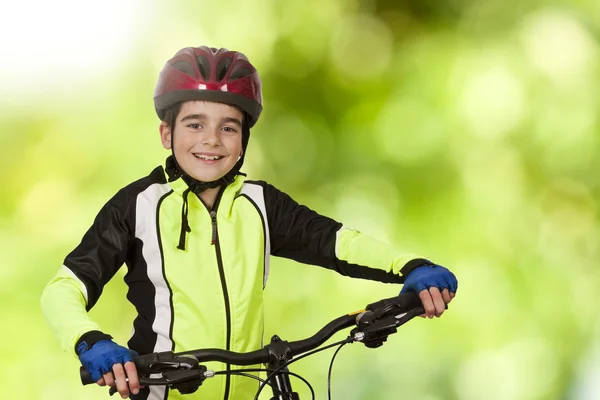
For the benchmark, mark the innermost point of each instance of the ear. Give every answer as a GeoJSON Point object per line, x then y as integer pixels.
{"type": "Point", "coordinates": [165, 135]}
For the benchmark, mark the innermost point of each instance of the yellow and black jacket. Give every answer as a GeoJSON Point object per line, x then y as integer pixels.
{"type": "Point", "coordinates": [209, 295]}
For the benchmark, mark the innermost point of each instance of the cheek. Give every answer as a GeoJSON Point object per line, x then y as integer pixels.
{"type": "Point", "coordinates": [180, 150]}
{"type": "Point", "coordinates": [182, 142]}
{"type": "Point", "coordinates": [234, 145]}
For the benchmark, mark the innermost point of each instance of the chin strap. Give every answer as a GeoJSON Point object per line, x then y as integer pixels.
{"type": "Point", "coordinates": [174, 172]}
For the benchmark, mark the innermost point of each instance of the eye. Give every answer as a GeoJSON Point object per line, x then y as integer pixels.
{"type": "Point", "coordinates": [229, 129]}
{"type": "Point", "coordinates": [194, 126]}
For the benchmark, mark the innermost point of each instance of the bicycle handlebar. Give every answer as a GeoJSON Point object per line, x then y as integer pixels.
{"type": "Point", "coordinates": [373, 325]}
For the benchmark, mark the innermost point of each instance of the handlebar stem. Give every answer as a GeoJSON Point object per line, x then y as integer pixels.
{"type": "Point", "coordinates": [279, 351]}
{"type": "Point", "coordinates": [279, 354]}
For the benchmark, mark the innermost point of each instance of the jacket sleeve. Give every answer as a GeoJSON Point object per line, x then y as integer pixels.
{"type": "Point", "coordinates": [301, 234]}
{"type": "Point", "coordinates": [76, 287]}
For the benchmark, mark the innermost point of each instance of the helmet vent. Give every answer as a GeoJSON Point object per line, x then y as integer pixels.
{"type": "Point", "coordinates": [209, 74]}
{"type": "Point", "coordinates": [240, 73]}
{"type": "Point", "coordinates": [223, 67]}
{"type": "Point", "coordinates": [184, 66]}
{"type": "Point", "coordinates": [203, 66]}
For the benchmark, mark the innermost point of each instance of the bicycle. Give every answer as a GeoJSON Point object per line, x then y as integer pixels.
{"type": "Point", "coordinates": [183, 371]}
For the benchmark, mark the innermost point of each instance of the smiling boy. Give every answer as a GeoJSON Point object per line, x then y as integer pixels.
{"type": "Point", "coordinates": [208, 160]}
{"type": "Point", "coordinates": [196, 237]}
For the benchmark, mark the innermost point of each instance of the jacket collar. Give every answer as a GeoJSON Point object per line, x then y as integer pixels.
{"type": "Point", "coordinates": [226, 202]}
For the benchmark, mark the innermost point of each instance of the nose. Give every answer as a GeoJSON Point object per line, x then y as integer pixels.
{"type": "Point", "coordinates": [211, 137]}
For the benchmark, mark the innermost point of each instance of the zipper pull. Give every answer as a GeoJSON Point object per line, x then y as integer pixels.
{"type": "Point", "coordinates": [213, 216]}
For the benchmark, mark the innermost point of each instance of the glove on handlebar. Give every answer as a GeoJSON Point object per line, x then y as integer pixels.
{"type": "Point", "coordinates": [98, 357]}
{"type": "Point", "coordinates": [427, 276]}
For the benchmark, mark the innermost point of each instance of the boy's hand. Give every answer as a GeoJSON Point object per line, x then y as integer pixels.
{"type": "Point", "coordinates": [436, 286]}
{"type": "Point", "coordinates": [111, 364]}
{"type": "Point", "coordinates": [125, 379]}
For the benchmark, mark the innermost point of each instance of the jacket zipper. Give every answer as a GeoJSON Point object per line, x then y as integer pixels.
{"type": "Point", "coordinates": [215, 242]}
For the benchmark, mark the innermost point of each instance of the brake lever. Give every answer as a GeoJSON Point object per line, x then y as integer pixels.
{"type": "Point", "coordinates": [181, 362]}
{"type": "Point", "coordinates": [407, 316]}
{"type": "Point", "coordinates": [406, 301]}
{"type": "Point", "coordinates": [373, 330]}
{"type": "Point", "coordinates": [181, 372]}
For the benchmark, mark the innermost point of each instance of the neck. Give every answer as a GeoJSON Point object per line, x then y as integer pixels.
{"type": "Point", "coordinates": [209, 196]}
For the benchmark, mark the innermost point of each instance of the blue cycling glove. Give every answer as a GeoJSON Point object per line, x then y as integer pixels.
{"type": "Point", "coordinates": [98, 353]}
{"type": "Point", "coordinates": [427, 276]}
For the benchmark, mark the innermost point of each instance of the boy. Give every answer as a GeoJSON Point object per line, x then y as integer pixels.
{"type": "Point", "coordinates": [196, 237]}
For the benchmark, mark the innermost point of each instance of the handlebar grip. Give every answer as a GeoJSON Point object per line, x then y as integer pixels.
{"type": "Point", "coordinates": [86, 377]}
{"type": "Point", "coordinates": [405, 301]}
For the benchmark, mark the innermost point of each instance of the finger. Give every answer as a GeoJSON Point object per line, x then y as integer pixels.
{"type": "Point", "coordinates": [452, 294]}
{"type": "Point", "coordinates": [101, 382]}
{"type": "Point", "coordinates": [109, 379]}
{"type": "Point", "coordinates": [438, 301]}
{"type": "Point", "coordinates": [446, 296]}
{"type": "Point", "coordinates": [427, 303]}
{"type": "Point", "coordinates": [121, 380]}
{"type": "Point", "coordinates": [132, 377]}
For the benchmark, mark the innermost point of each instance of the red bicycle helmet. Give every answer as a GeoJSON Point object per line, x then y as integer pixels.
{"type": "Point", "coordinates": [207, 73]}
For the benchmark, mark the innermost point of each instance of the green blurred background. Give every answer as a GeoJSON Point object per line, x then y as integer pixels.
{"type": "Point", "coordinates": [465, 131]}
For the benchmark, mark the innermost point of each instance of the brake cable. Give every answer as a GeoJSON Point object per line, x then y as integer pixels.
{"type": "Point", "coordinates": [276, 370]}
{"type": "Point", "coordinates": [330, 368]}
{"type": "Point", "coordinates": [264, 381]}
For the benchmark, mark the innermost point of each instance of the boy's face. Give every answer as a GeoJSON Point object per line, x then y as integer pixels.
{"type": "Point", "coordinates": [208, 139]}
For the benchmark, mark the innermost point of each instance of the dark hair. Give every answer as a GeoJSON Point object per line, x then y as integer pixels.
{"type": "Point", "coordinates": [171, 114]}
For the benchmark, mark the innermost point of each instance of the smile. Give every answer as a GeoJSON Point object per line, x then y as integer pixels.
{"type": "Point", "coordinates": [208, 158]}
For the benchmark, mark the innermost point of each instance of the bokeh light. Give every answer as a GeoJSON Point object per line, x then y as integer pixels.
{"type": "Point", "coordinates": [464, 131]}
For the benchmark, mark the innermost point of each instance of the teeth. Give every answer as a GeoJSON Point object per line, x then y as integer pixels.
{"type": "Point", "coordinates": [204, 157]}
